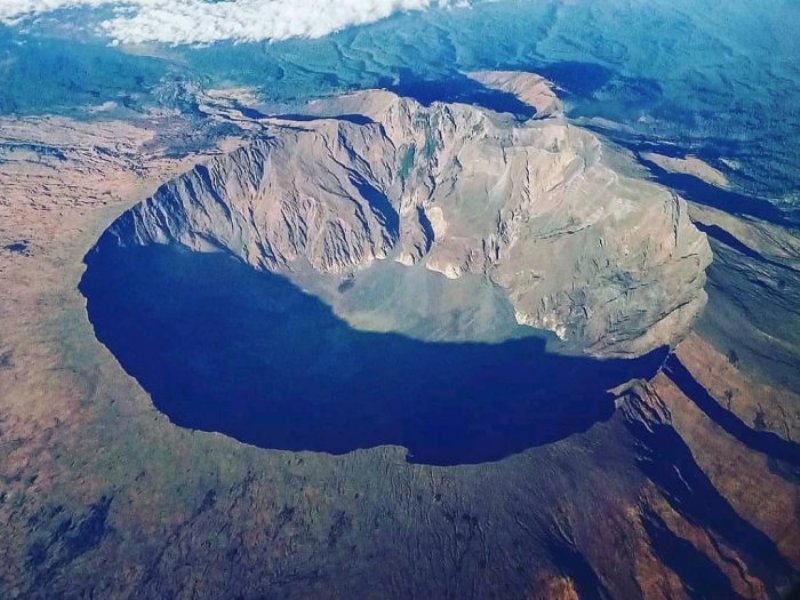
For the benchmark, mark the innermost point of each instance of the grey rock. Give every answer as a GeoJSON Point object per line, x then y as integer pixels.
{"type": "Point", "coordinates": [608, 262]}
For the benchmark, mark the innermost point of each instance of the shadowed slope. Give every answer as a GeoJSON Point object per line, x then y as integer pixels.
{"type": "Point", "coordinates": [222, 347]}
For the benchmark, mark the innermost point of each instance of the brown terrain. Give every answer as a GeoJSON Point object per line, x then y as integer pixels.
{"type": "Point", "coordinates": [689, 165]}
{"type": "Point", "coordinates": [689, 490]}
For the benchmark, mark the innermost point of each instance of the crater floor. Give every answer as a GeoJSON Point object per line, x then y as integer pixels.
{"type": "Point", "coordinates": [222, 347]}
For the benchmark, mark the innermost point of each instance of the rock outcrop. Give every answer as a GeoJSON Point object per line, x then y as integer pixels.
{"type": "Point", "coordinates": [530, 88]}
{"type": "Point", "coordinates": [606, 261]}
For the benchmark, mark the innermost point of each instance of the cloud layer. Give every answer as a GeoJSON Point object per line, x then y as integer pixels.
{"type": "Point", "coordinates": [201, 21]}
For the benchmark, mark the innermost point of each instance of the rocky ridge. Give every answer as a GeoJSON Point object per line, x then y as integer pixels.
{"type": "Point", "coordinates": [606, 261]}
{"type": "Point", "coordinates": [102, 495]}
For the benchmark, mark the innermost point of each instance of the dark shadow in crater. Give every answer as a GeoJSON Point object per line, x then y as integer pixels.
{"type": "Point", "coordinates": [222, 347]}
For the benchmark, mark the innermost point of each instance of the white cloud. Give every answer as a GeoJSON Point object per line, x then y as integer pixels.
{"type": "Point", "coordinates": [200, 21]}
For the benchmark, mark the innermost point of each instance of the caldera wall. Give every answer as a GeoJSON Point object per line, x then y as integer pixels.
{"type": "Point", "coordinates": [608, 262]}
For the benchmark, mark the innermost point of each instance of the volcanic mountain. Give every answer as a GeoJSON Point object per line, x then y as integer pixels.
{"type": "Point", "coordinates": [545, 210]}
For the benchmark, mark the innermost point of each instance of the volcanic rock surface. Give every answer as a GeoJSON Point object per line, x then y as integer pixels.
{"type": "Point", "coordinates": [102, 496]}
{"type": "Point", "coordinates": [530, 88]}
{"type": "Point", "coordinates": [606, 261]}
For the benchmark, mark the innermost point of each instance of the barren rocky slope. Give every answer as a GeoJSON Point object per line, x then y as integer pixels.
{"type": "Point", "coordinates": [608, 262]}
{"type": "Point", "coordinates": [101, 496]}
{"type": "Point", "coordinates": [529, 88]}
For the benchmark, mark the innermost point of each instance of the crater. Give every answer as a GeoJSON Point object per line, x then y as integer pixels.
{"type": "Point", "coordinates": [400, 279]}
{"type": "Point", "coordinates": [222, 347]}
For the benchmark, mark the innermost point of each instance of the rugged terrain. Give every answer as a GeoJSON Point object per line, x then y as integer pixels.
{"type": "Point", "coordinates": [689, 490]}
{"type": "Point", "coordinates": [608, 262]}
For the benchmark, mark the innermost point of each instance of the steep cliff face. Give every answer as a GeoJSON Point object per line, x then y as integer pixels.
{"type": "Point", "coordinates": [606, 261]}
{"type": "Point", "coordinates": [689, 490]}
